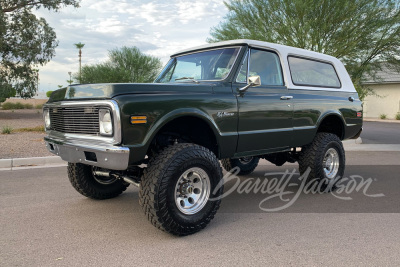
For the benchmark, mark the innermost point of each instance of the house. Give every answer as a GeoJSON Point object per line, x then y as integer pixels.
{"type": "Point", "coordinates": [387, 87]}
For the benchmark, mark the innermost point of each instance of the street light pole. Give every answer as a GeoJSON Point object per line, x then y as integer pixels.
{"type": "Point", "coordinates": [70, 81]}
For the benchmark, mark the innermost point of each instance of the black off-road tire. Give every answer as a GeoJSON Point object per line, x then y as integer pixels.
{"type": "Point", "coordinates": [157, 188]}
{"type": "Point", "coordinates": [245, 166]}
{"type": "Point", "coordinates": [312, 156]}
{"type": "Point", "coordinates": [83, 180]}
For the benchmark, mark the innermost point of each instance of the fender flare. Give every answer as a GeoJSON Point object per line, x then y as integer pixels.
{"type": "Point", "coordinates": [331, 113]}
{"type": "Point", "coordinates": [179, 113]}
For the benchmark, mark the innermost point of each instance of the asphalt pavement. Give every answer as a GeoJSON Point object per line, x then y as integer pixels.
{"type": "Point", "coordinates": [376, 132]}
{"type": "Point", "coordinates": [45, 222]}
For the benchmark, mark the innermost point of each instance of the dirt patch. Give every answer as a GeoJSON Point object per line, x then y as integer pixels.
{"type": "Point", "coordinates": [25, 144]}
{"type": "Point", "coordinates": [21, 118]}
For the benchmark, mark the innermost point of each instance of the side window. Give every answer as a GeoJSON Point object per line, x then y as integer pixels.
{"type": "Point", "coordinates": [313, 73]}
{"type": "Point", "coordinates": [266, 65]}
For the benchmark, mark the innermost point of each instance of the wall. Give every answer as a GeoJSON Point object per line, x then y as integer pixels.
{"type": "Point", "coordinates": [388, 103]}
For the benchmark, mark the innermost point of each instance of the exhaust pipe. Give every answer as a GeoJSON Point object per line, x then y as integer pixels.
{"type": "Point", "coordinates": [130, 180]}
{"type": "Point", "coordinates": [123, 177]}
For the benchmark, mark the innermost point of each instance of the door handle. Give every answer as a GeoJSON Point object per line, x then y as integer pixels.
{"type": "Point", "coordinates": [286, 97]}
{"type": "Point", "coordinates": [351, 99]}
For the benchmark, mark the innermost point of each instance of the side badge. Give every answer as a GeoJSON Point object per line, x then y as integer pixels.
{"type": "Point", "coordinates": [225, 114]}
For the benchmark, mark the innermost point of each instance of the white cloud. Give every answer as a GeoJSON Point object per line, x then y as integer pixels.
{"type": "Point", "coordinates": [159, 28]}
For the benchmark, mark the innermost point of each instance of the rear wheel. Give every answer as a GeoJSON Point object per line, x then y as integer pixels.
{"type": "Point", "coordinates": [84, 179]}
{"type": "Point", "coordinates": [246, 164]}
{"type": "Point", "coordinates": [325, 159]}
{"type": "Point", "coordinates": [177, 191]}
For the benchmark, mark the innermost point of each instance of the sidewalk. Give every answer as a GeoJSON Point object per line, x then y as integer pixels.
{"type": "Point", "coordinates": [23, 163]}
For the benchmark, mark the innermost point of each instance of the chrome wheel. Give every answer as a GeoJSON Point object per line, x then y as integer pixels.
{"type": "Point", "coordinates": [102, 179]}
{"type": "Point", "coordinates": [245, 160]}
{"type": "Point", "coordinates": [192, 191]}
{"type": "Point", "coordinates": [331, 163]}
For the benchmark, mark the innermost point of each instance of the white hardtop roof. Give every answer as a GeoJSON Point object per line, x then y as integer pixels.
{"type": "Point", "coordinates": [284, 51]}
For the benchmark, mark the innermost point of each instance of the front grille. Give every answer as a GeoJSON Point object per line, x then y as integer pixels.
{"type": "Point", "coordinates": [80, 120]}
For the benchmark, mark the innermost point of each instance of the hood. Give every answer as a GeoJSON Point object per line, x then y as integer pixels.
{"type": "Point", "coordinates": [110, 90]}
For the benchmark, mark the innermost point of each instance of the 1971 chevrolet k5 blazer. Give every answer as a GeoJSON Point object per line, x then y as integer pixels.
{"type": "Point", "coordinates": [235, 101]}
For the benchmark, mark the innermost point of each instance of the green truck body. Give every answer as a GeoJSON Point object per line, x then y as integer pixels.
{"type": "Point", "coordinates": [229, 115]}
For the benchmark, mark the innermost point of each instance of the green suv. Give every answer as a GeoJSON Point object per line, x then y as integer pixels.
{"type": "Point", "coordinates": [235, 101]}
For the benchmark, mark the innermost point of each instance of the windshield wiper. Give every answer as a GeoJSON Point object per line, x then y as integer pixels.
{"type": "Point", "coordinates": [187, 78]}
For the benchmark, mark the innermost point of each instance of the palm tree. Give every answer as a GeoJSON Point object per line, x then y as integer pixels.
{"type": "Point", "coordinates": [80, 46]}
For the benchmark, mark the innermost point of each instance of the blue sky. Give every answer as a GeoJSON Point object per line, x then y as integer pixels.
{"type": "Point", "coordinates": [158, 28]}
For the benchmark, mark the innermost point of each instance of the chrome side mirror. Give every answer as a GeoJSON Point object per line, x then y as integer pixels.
{"type": "Point", "coordinates": [253, 81]}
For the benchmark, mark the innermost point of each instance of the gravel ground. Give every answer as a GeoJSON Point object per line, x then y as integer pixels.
{"type": "Point", "coordinates": [24, 144]}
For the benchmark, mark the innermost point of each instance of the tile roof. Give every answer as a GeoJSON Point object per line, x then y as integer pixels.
{"type": "Point", "coordinates": [384, 76]}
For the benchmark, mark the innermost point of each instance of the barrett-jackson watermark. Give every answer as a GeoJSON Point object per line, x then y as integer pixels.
{"type": "Point", "coordinates": [278, 185]}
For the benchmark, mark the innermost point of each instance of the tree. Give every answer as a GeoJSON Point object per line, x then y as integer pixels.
{"type": "Point", "coordinates": [80, 46]}
{"type": "Point", "coordinates": [125, 65]}
{"type": "Point", "coordinates": [364, 34]}
{"type": "Point", "coordinates": [25, 43]}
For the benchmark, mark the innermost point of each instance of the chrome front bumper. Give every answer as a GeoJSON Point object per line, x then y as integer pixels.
{"type": "Point", "coordinates": [104, 156]}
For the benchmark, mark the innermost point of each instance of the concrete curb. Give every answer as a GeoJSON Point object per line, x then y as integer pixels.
{"type": "Point", "coordinates": [55, 161]}
{"type": "Point", "coordinates": [9, 164]}
{"type": "Point", "coordinates": [380, 120]}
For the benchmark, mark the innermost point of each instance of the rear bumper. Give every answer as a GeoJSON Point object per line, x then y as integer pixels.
{"type": "Point", "coordinates": [104, 156]}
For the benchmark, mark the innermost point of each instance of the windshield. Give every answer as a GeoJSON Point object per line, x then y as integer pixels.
{"type": "Point", "coordinates": [207, 65]}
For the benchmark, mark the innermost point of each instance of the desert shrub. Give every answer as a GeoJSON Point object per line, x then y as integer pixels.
{"type": "Point", "coordinates": [7, 106]}
{"type": "Point", "coordinates": [397, 116]}
{"type": "Point", "coordinates": [39, 106]}
{"type": "Point", "coordinates": [383, 116]}
{"type": "Point", "coordinates": [18, 105]}
{"type": "Point", "coordinates": [6, 130]}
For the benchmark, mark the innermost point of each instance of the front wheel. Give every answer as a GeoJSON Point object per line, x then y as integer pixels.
{"type": "Point", "coordinates": [84, 179]}
{"type": "Point", "coordinates": [178, 189]}
{"type": "Point", "coordinates": [325, 159]}
{"type": "Point", "coordinates": [246, 165]}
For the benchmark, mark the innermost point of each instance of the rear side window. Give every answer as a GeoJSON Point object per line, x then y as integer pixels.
{"type": "Point", "coordinates": [313, 73]}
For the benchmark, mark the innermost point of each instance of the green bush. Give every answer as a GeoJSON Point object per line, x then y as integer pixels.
{"type": "Point", "coordinates": [6, 130]}
{"type": "Point", "coordinates": [397, 116]}
{"type": "Point", "coordinates": [7, 106]}
{"type": "Point", "coordinates": [39, 106]}
{"type": "Point", "coordinates": [18, 105]}
{"type": "Point", "coordinates": [383, 116]}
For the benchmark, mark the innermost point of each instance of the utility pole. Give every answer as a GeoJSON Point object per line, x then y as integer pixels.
{"type": "Point", "coordinates": [70, 80]}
